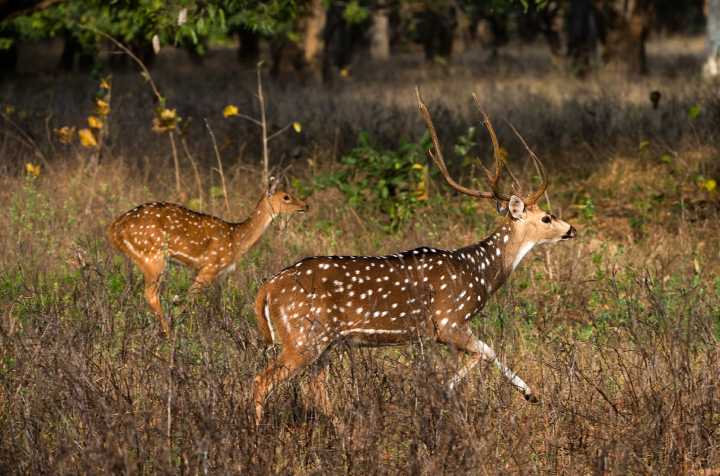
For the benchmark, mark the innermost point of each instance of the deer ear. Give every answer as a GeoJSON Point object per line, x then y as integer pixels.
{"type": "Point", "coordinates": [274, 182]}
{"type": "Point", "coordinates": [516, 207]}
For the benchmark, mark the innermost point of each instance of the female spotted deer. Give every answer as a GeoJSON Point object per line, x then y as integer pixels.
{"type": "Point", "coordinates": [151, 233]}
{"type": "Point", "coordinates": [383, 300]}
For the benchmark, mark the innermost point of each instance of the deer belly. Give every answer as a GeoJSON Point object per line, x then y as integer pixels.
{"type": "Point", "coordinates": [376, 337]}
{"type": "Point", "coordinates": [183, 258]}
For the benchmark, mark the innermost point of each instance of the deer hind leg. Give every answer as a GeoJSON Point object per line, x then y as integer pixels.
{"type": "Point", "coordinates": [283, 367]}
{"type": "Point", "coordinates": [466, 341]}
{"type": "Point", "coordinates": [316, 388]}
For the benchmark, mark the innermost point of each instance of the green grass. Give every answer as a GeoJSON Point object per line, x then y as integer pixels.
{"type": "Point", "coordinates": [618, 330]}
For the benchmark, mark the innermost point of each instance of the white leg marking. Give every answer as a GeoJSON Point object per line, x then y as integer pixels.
{"type": "Point", "coordinates": [483, 351]}
{"type": "Point", "coordinates": [132, 248]}
{"type": "Point", "coordinates": [266, 313]}
{"type": "Point", "coordinates": [373, 331]}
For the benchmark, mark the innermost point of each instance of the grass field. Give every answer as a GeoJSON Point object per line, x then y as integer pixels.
{"type": "Point", "coordinates": [617, 331]}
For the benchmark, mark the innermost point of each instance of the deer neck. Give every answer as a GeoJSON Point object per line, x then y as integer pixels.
{"type": "Point", "coordinates": [497, 256]}
{"type": "Point", "coordinates": [248, 232]}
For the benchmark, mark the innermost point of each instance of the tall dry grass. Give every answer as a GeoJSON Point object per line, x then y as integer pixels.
{"type": "Point", "coordinates": [618, 331]}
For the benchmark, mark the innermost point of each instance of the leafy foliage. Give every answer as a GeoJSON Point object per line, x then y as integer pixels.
{"type": "Point", "coordinates": [180, 22]}
{"type": "Point", "coordinates": [391, 182]}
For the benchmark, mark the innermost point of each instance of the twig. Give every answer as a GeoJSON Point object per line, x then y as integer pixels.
{"type": "Point", "coordinates": [263, 126]}
{"type": "Point", "coordinates": [28, 139]}
{"type": "Point", "coordinates": [248, 118]}
{"type": "Point", "coordinates": [220, 167]}
{"type": "Point", "coordinates": [176, 162]}
{"type": "Point", "coordinates": [277, 133]}
{"type": "Point", "coordinates": [169, 398]}
{"type": "Point", "coordinates": [196, 172]}
{"type": "Point", "coordinates": [126, 50]}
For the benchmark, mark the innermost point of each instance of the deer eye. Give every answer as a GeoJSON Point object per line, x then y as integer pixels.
{"type": "Point", "coordinates": [286, 198]}
{"type": "Point", "coordinates": [546, 219]}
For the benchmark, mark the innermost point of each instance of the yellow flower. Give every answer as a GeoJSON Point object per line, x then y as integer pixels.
{"type": "Point", "coordinates": [65, 134]}
{"type": "Point", "coordinates": [297, 127]}
{"type": "Point", "coordinates": [345, 73]}
{"type": "Point", "coordinates": [102, 107]}
{"type": "Point", "coordinates": [87, 139]}
{"type": "Point", "coordinates": [230, 110]}
{"type": "Point", "coordinates": [165, 120]}
{"type": "Point", "coordinates": [94, 122]}
{"type": "Point", "coordinates": [9, 109]}
{"type": "Point", "coordinates": [32, 169]}
{"type": "Point", "coordinates": [168, 114]}
{"type": "Point", "coordinates": [105, 83]}
{"type": "Point", "coordinates": [710, 185]}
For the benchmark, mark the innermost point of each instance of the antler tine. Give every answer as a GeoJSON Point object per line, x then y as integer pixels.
{"type": "Point", "coordinates": [437, 156]}
{"type": "Point", "coordinates": [534, 196]}
{"type": "Point", "coordinates": [497, 154]}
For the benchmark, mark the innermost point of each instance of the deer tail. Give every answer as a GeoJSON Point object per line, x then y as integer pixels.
{"type": "Point", "coordinates": [263, 317]}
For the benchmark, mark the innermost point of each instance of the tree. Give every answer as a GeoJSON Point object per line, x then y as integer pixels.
{"type": "Point", "coordinates": [711, 68]}
{"type": "Point", "coordinates": [583, 35]}
{"type": "Point", "coordinates": [139, 22]}
{"type": "Point", "coordinates": [627, 24]}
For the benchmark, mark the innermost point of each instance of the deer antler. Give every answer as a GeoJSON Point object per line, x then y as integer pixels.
{"type": "Point", "coordinates": [497, 154]}
{"type": "Point", "coordinates": [437, 157]}
{"type": "Point", "coordinates": [533, 197]}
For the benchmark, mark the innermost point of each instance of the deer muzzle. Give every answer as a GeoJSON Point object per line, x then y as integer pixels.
{"type": "Point", "coordinates": [570, 234]}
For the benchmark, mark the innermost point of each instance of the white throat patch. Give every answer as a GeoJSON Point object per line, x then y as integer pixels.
{"type": "Point", "coordinates": [524, 249]}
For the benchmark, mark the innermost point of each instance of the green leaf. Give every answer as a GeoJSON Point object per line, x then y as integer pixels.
{"type": "Point", "coordinates": [694, 112]}
{"type": "Point", "coordinates": [216, 192]}
{"type": "Point", "coordinates": [355, 13]}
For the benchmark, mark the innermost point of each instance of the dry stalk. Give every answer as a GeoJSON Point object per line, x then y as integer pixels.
{"type": "Point", "coordinates": [220, 167]}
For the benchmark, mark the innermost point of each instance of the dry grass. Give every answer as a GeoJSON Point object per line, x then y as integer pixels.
{"type": "Point", "coordinates": [618, 331]}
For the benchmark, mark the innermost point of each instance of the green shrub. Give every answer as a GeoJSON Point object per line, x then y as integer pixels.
{"type": "Point", "coordinates": [392, 183]}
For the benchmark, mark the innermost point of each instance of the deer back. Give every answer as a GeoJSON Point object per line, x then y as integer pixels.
{"type": "Point", "coordinates": [383, 299]}
{"type": "Point", "coordinates": [158, 227]}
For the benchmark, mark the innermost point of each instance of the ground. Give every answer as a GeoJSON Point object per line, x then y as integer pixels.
{"type": "Point", "coordinates": [617, 330]}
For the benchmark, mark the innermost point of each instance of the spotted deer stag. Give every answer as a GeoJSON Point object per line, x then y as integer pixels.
{"type": "Point", "coordinates": [385, 300]}
{"type": "Point", "coordinates": [152, 233]}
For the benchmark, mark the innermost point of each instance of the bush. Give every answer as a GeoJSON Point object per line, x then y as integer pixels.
{"type": "Point", "coordinates": [392, 183]}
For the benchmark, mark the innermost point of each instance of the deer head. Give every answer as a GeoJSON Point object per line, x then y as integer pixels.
{"type": "Point", "coordinates": [531, 225]}
{"type": "Point", "coordinates": [282, 202]}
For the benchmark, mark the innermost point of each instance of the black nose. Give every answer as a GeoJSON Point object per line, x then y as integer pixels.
{"type": "Point", "coordinates": [570, 233]}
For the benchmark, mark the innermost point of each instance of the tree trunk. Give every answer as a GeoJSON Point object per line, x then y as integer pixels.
{"type": "Point", "coordinates": [74, 57]}
{"type": "Point", "coordinates": [313, 40]}
{"type": "Point", "coordinates": [249, 48]}
{"type": "Point", "coordinates": [711, 68]}
{"type": "Point", "coordinates": [435, 28]}
{"type": "Point", "coordinates": [461, 36]}
{"type": "Point", "coordinates": [582, 35]}
{"type": "Point", "coordinates": [380, 34]}
{"type": "Point", "coordinates": [8, 60]}
{"type": "Point", "coordinates": [628, 25]}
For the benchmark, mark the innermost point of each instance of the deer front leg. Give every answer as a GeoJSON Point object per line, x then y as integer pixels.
{"type": "Point", "coordinates": [153, 271]}
{"type": "Point", "coordinates": [466, 341]}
